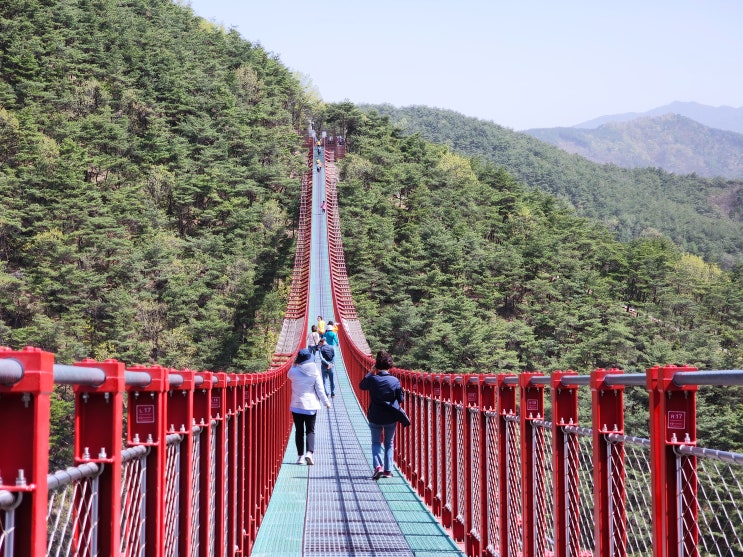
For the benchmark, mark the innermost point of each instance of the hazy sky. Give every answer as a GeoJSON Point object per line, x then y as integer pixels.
{"type": "Point", "coordinates": [519, 63]}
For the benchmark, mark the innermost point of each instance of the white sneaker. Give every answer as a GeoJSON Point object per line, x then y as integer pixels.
{"type": "Point", "coordinates": [308, 459]}
{"type": "Point", "coordinates": [300, 460]}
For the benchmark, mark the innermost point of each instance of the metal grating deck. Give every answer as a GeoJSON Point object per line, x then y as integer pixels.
{"type": "Point", "coordinates": [334, 508]}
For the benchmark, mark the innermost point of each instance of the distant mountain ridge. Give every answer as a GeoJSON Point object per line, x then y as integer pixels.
{"type": "Point", "coordinates": [719, 117]}
{"type": "Point", "coordinates": [672, 142]}
{"type": "Point", "coordinates": [704, 216]}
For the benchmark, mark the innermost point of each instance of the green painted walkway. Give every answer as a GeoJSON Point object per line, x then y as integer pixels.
{"type": "Point", "coordinates": [334, 508]}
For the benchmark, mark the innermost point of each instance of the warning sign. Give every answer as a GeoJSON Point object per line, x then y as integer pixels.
{"type": "Point", "coordinates": [676, 419]}
{"type": "Point", "coordinates": [145, 414]}
{"type": "Point", "coordinates": [216, 402]}
{"type": "Point", "coordinates": [532, 405]}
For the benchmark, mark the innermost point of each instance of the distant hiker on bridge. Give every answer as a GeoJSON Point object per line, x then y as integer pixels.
{"type": "Point", "coordinates": [323, 206]}
{"type": "Point", "coordinates": [313, 339]}
{"type": "Point", "coordinates": [327, 355]}
{"type": "Point", "coordinates": [319, 165]}
{"type": "Point", "coordinates": [308, 394]}
{"type": "Point", "coordinates": [330, 336]}
{"type": "Point", "coordinates": [385, 391]}
{"type": "Point", "coordinates": [320, 326]}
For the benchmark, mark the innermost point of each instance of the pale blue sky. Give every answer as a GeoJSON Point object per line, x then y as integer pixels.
{"type": "Point", "coordinates": [519, 63]}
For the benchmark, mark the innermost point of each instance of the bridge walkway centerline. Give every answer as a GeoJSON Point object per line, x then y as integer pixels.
{"type": "Point", "coordinates": [334, 507]}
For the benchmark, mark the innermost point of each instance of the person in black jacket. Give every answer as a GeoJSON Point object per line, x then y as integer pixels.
{"type": "Point", "coordinates": [384, 390]}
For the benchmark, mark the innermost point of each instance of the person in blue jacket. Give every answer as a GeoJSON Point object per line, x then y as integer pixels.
{"type": "Point", "coordinates": [330, 335]}
{"type": "Point", "coordinates": [327, 365]}
{"type": "Point", "coordinates": [383, 389]}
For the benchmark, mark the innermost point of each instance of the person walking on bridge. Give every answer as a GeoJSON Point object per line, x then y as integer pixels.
{"type": "Point", "coordinates": [321, 326]}
{"type": "Point", "coordinates": [331, 337]}
{"type": "Point", "coordinates": [327, 355]}
{"type": "Point", "coordinates": [308, 394]}
{"type": "Point", "coordinates": [384, 390]}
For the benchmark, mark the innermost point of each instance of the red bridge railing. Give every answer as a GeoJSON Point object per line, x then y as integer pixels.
{"type": "Point", "coordinates": [507, 481]}
{"type": "Point", "coordinates": [166, 461]}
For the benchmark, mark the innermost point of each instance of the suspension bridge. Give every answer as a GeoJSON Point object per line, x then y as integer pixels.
{"type": "Point", "coordinates": [179, 462]}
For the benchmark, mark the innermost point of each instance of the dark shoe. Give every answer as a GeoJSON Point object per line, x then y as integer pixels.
{"type": "Point", "coordinates": [332, 396]}
{"type": "Point", "coordinates": [377, 473]}
{"type": "Point", "coordinates": [387, 474]}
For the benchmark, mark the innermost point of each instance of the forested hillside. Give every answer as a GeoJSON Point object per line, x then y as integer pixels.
{"type": "Point", "coordinates": [671, 142]}
{"type": "Point", "coordinates": [149, 178]}
{"type": "Point", "coordinates": [703, 216]}
{"type": "Point", "coordinates": [456, 267]}
{"type": "Point", "coordinates": [149, 181]}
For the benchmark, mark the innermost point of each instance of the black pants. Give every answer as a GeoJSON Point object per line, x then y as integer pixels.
{"type": "Point", "coordinates": [304, 423]}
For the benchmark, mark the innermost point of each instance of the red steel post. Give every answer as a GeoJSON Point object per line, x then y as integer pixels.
{"type": "Point", "coordinates": [458, 460]}
{"type": "Point", "coordinates": [448, 456]}
{"type": "Point", "coordinates": [532, 408]}
{"type": "Point", "coordinates": [428, 438]}
{"type": "Point", "coordinates": [474, 455]}
{"type": "Point", "coordinates": [242, 454]}
{"type": "Point", "coordinates": [437, 445]}
{"type": "Point", "coordinates": [249, 470]}
{"type": "Point", "coordinates": [507, 406]}
{"type": "Point", "coordinates": [488, 404]}
{"type": "Point", "coordinates": [99, 419]}
{"type": "Point", "coordinates": [202, 399]}
{"type": "Point", "coordinates": [219, 415]}
{"type": "Point", "coordinates": [418, 423]}
{"type": "Point", "coordinates": [146, 425]}
{"type": "Point", "coordinates": [673, 423]}
{"type": "Point", "coordinates": [25, 410]}
{"type": "Point", "coordinates": [181, 420]}
{"type": "Point", "coordinates": [231, 420]}
{"type": "Point", "coordinates": [565, 463]}
{"type": "Point", "coordinates": [607, 403]}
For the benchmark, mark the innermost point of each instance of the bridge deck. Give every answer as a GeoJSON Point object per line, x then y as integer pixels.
{"type": "Point", "coordinates": [334, 507]}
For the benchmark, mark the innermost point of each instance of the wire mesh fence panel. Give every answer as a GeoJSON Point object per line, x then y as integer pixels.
{"type": "Point", "coordinates": [133, 500]}
{"type": "Point", "coordinates": [462, 495]}
{"type": "Point", "coordinates": [632, 527]}
{"type": "Point", "coordinates": [9, 501]}
{"type": "Point", "coordinates": [420, 445]}
{"type": "Point", "coordinates": [581, 497]}
{"type": "Point", "coordinates": [195, 492]}
{"type": "Point", "coordinates": [431, 445]}
{"type": "Point", "coordinates": [213, 487]}
{"type": "Point", "coordinates": [544, 496]}
{"type": "Point", "coordinates": [513, 477]}
{"type": "Point", "coordinates": [439, 457]}
{"type": "Point", "coordinates": [172, 498]}
{"type": "Point", "coordinates": [492, 459]}
{"type": "Point", "coordinates": [72, 512]}
{"type": "Point", "coordinates": [448, 501]}
{"type": "Point", "coordinates": [719, 517]}
{"type": "Point", "coordinates": [225, 502]}
{"type": "Point", "coordinates": [475, 498]}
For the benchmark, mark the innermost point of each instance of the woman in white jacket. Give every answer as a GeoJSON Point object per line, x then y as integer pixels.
{"type": "Point", "coordinates": [308, 393]}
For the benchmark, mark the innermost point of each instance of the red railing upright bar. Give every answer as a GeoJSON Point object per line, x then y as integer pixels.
{"type": "Point", "coordinates": [25, 411]}
{"type": "Point", "coordinates": [608, 417]}
{"type": "Point", "coordinates": [673, 423]}
{"type": "Point", "coordinates": [565, 465]}
{"type": "Point", "coordinates": [532, 408]}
